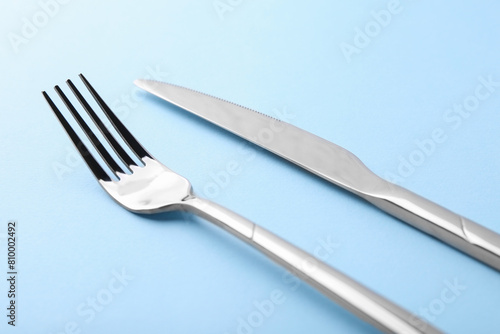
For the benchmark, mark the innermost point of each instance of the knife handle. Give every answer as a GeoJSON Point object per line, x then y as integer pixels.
{"type": "Point", "coordinates": [340, 288]}
{"type": "Point", "coordinates": [460, 232]}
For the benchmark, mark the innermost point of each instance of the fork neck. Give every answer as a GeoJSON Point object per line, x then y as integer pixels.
{"type": "Point", "coordinates": [220, 216]}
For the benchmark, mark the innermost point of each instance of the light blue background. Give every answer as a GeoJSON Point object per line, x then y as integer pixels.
{"type": "Point", "coordinates": [189, 277]}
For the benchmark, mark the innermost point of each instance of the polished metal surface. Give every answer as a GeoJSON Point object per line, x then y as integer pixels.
{"type": "Point", "coordinates": [337, 165]}
{"type": "Point", "coordinates": [146, 186]}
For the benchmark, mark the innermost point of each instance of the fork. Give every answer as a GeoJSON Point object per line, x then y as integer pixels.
{"type": "Point", "coordinates": [146, 186]}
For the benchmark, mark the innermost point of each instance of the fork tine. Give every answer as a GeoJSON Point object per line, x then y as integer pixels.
{"type": "Point", "coordinates": [108, 159]}
{"type": "Point", "coordinates": [134, 145]}
{"type": "Point", "coordinates": [100, 125]}
{"type": "Point", "coordinates": [94, 166]}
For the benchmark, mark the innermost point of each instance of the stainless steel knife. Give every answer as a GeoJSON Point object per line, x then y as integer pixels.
{"type": "Point", "coordinates": [337, 165]}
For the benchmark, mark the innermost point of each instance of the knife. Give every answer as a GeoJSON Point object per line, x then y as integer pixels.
{"type": "Point", "coordinates": [338, 166]}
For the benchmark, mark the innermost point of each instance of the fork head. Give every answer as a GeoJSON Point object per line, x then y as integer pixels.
{"type": "Point", "coordinates": [140, 183]}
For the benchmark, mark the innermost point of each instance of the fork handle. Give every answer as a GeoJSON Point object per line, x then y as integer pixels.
{"type": "Point", "coordinates": [340, 288]}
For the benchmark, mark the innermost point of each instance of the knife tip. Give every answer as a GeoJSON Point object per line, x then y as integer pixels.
{"type": "Point", "coordinates": [140, 82]}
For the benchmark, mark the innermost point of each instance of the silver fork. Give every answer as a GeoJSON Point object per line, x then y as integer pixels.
{"type": "Point", "coordinates": [150, 187]}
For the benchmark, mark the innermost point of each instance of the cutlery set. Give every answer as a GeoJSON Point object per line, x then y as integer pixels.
{"type": "Point", "coordinates": [140, 183]}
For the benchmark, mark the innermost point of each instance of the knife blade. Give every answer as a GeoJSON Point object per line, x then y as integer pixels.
{"type": "Point", "coordinates": [338, 166]}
